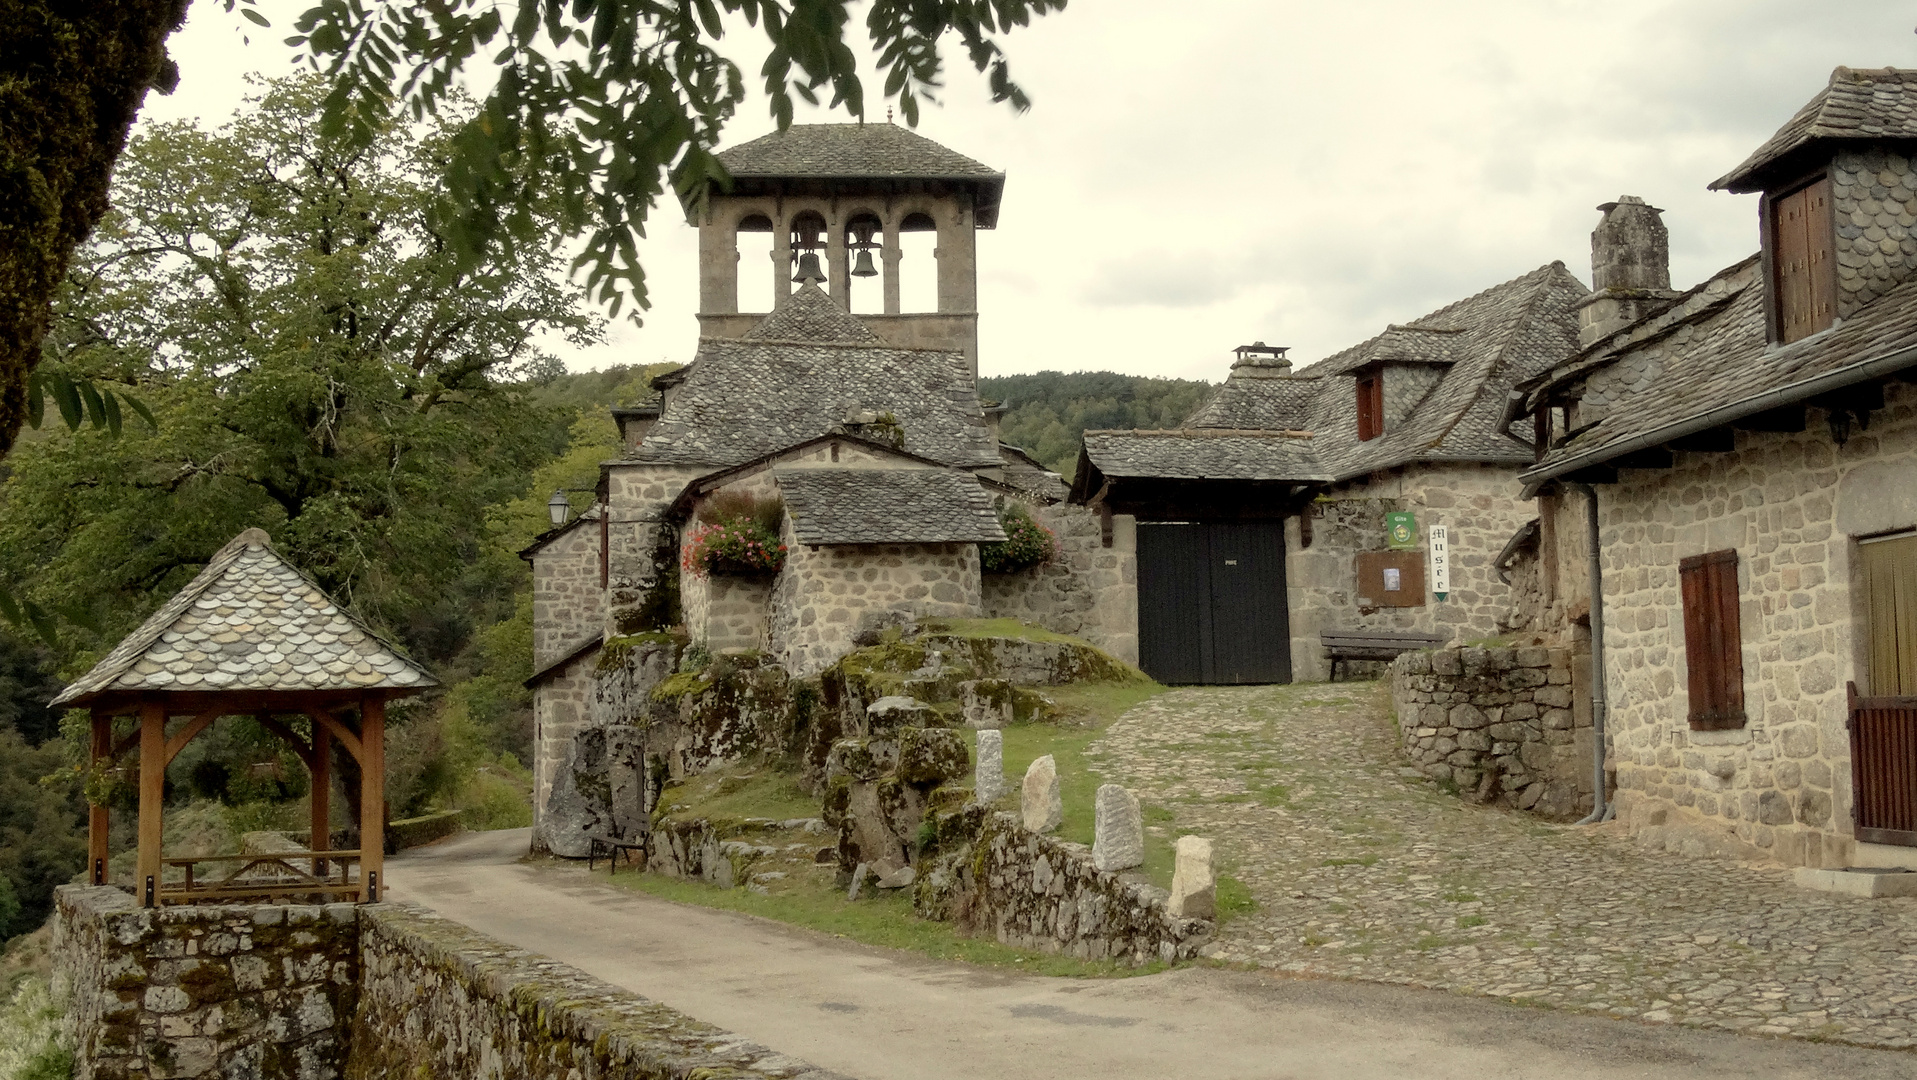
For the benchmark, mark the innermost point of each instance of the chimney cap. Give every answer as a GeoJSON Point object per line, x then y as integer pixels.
{"type": "Point", "coordinates": [1628, 200]}
{"type": "Point", "coordinates": [1259, 349]}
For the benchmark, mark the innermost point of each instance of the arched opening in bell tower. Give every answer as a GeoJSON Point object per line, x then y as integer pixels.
{"type": "Point", "coordinates": [865, 261]}
{"type": "Point", "coordinates": [754, 242]}
{"type": "Point", "coordinates": [918, 264]}
{"type": "Point", "coordinates": [808, 250]}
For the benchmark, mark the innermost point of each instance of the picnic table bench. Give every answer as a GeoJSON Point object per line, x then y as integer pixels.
{"type": "Point", "coordinates": [608, 847]}
{"type": "Point", "coordinates": [1347, 645]}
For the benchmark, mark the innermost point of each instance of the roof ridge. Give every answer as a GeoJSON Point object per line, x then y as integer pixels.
{"type": "Point", "coordinates": [1430, 315]}
{"type": "Point", "coordinates": [1497, 359]}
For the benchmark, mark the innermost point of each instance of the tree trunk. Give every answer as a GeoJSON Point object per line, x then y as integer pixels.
{"type": "Point", "coordinates": [72, 76]}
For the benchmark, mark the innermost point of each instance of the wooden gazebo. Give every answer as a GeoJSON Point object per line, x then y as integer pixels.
{"type": "Point", "coordinates": [250, 636]}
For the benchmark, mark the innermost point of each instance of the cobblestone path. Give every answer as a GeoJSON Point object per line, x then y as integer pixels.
{"type": "Point", "coordinates": [1361, 872]}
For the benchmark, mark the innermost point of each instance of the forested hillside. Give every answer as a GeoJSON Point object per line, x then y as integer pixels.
{"type": "Point", "coordinates": [1047, 412]}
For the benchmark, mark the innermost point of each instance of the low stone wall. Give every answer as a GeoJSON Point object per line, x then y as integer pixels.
{"type": "Point", "coordinates": [1089, 590]}
{"type": "Point", "coordinates": [282, 992]}
{"type": "Point", "coordinates": [443, 1000]}
{"type": "Point", "coordinates": [1040, 892]}
{"type": "Point", "coordinates": [205, 991]}
{"type": "Point", "coordinates": [718, 852]}
{"type": "Point", "coordinates": [1508, 725]}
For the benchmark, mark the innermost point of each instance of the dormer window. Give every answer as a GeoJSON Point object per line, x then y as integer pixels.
{"type": "Point", "coordinates": [1370, 404]}
{"type": "Point", "coordinates": [1803, 274]}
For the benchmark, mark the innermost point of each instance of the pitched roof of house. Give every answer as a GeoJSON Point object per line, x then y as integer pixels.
{"type": "Point", "coordinates": [862, 152]}
{"type": "Point", "coordinates": [1858, 103]}
{"type": "Point", "coordinates": [1475, 350]}
{"type": "Point", "coordinates": [743, 398]}
{"type": "Point", "coordinates": [1725, 369]}
{"type": "Point", "coordinates": [1205, 454]}
{"type": "Point", "coordinates": [887, 506]}
{"type": "Point", "coordinates": [249, 622]}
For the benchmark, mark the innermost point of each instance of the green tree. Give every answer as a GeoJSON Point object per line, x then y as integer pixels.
{"type": "Point", "coordinates": [319, 362]}
{"type": "Point", "coordinates": [600, 104]}
{"type": "Point", "coordinates": [1048, 413]}
{"type": "Point", "coordinates": [42, 827]}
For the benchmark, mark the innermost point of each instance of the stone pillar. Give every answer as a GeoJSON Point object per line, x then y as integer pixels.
{"type": "Point", "coordinates": [781, 262]}
{"type": "Point", "coordinates": [889, 256]}
{"type": "Point", "coordinates": [838, 272]}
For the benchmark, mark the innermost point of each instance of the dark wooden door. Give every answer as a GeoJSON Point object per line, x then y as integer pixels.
{"type": "Point", "coordinates": [1211, 603]}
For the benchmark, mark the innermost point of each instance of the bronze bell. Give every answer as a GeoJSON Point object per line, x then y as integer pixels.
{"type": "Point", "coordinates": [809, 268]}
{"type": "Point", "coordinates": [862, 266]}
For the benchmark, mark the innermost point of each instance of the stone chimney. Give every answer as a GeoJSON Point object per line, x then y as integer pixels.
{"type": "Point", "coordinates": [1630, 268]}
{"type": "Point", "coordinates": [1260, 361]}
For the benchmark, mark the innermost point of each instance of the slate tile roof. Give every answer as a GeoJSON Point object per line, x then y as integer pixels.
{"type": "Point", "coordinates": [1476, 350]}
{"type": "Point", "coordinates": [249, 622]}
{"type": "Point", "coordinates": [851, 151]}
{"type": "Point", "coordinates": [743, 398]}
{"type": "Point", "coordinates": [1726, 361]}
{"type": "Point", "coordinates": [1205, 454]}
{"type": "Point", "coordinates": [887, 506]}
{"type": "Point", "coordinates": [1860, 103]}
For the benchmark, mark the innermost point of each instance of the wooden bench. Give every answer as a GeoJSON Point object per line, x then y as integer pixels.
{"type": "Point", "coordinates": [608, 847]}
{"type": "Point", "coordinates": [1346, 645]}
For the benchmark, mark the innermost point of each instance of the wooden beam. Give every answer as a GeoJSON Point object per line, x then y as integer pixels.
{"type": "Point", "coordinates": [1715, 440]}
{"type": "Point", "coordinates": [187, 734]}
{"type": "Point", "coordinates": [372, 797]}
{"type": "Point", "coordinates": [343, 733]}
{"type": "Point", "coordinates": [1790, 418]}
{"type": "Point", "coordinates": [146, 881]}
{"type": "Point", "coordinates": [320, 765]}
{"type": "Point", "coordinates": [97, 816]}
{"type": "Point", "coordinates": [1653, 458]}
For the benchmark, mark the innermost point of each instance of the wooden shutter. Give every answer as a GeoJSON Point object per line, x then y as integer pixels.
{"type": "Point", "coordinates": [1803, 270]}
{"type": "Point", "coordinates": [1713, 642]}
{"type": "Point", "coordinates": [1370, 405]}
{"type": "Point", "coordinates": [1890, 584]}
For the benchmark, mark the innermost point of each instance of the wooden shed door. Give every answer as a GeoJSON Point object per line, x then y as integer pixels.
{"type": "Point", "coordinates": [1211, 603]}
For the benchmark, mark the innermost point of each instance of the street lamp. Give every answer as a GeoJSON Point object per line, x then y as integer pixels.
{"type": "Point", "coordinates": [558, 508]}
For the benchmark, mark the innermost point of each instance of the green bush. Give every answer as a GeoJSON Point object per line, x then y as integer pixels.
{"type": "Point", "coordinates": [1026, 544]}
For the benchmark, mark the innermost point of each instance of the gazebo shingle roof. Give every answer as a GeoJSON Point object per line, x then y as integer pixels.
{"type": "Point", "coordinates": [249, 622]}
{"type": "Point", "coordinates": [888, 506]}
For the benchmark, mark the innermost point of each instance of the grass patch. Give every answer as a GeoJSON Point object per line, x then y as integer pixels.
{"type": "Point", "coordinates": [1429, 942]}
{"type": "Point", "coordinates": [885, 920]}
{"type": "Point", "coordinates": [1466, 922]}
{"type": "Point", "coordinates": [1233, 899]}
{"type": "Point", "coordinates": [1459, 896]}
{"type": "Point", "coordinates": [1274, 795]}
{"type": "Point", "coordinates": [1364, 860]}
{"type": "Point", "coordinates": [740, 791]}
{"type": "Point", "coordinates": [1098, 704]}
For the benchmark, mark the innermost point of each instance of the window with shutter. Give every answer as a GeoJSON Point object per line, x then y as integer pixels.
{"type": "Point", "coordinates": [1803, 274]}
{"type": "Point", "coordinates": [1713, 642]}
{"type": "Point", "coordinates": [1890, 584]}
{"type": "Point", "coordinates": [1370, 404]}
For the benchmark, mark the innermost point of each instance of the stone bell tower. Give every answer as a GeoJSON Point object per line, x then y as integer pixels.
{"type": "Point", "coordinates": [836, 198]}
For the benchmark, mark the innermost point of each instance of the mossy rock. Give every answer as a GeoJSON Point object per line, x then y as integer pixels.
{"type": "Point", "coordinates": [615, 653]}
{"type": "Point", "coordinates": [838, 796]}
{"type": "Point", "coordinates": [931, 756]}
{"type": "Point", "coordinates": [861, 759]}
{"type": "Point", "coordinates": [680, 684]}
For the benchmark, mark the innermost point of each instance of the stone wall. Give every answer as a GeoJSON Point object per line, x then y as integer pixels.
{"type": "Point", "coordinates": [441, 1000]}
{"type": "Point", "coordinates": [1792, 506]}
{"type": "Point", "coordinates": [205, 991]}
{"type": "Point", "coordinates": [568, 603]}
{"type": "Point", "coordinates": [1479, 504]}
{"type": "Point", "coordinates": [1089, 590]}
{"type": "Point", "coordinates": [727, 611]}
{"type": "Point", "coordinates": [1040, 892]}
{"type": "Point", "coordinates": [562, 704]}
{"type": "Point", "coordinates": [825, 593]}
{"type": "Point", "coordinates": [641, 549]}
{"type": "Point", "coordinates": [1504, 725]}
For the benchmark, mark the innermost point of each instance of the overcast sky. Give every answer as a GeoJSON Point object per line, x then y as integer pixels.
{"type": "Point", "coordinates": [1194, 176]}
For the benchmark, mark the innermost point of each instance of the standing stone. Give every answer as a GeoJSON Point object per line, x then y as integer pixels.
{"type": "Point", "coordinates": [1118, 839]}
{"type": "Point", "coordinates": [1041, 805]}
{"type": "Point", "coordinates": [988, 775]}
{"type": "Point", "coordinates": [1194, 894]}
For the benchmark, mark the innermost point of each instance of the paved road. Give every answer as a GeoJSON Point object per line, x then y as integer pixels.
{"type": "Point", "coordinates": [881, 1015]}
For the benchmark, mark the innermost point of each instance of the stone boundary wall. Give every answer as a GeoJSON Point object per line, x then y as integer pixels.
{"type": "Point", "coordinates": [205, 991]}
{"type": "Point", "coordinates": [442, 1000]}
{"type": "Point", "coordinates": [825, 593]}
{"type": "Point", "coordinates": [1510, 725]}
{"type": "Point", "coordinates": [1040, 892]}
{"type": "Point", "coordinates": [1089, 590]}
{"type": "Point", "coordinates": [290, 992]}
{"type": "Point", "coordinates": [712, 851]}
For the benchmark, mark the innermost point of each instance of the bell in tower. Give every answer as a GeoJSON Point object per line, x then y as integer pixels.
{"type": "Point", "coordinates": [862, 230]}
{"type": "Point", "coordinates": [808, 236]}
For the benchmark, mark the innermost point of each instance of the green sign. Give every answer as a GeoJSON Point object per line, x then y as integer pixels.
{"type": "Point", "coordinates": [1401, 531]}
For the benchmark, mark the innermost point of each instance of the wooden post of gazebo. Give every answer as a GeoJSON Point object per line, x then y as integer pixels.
{"type": "Point", "coordinates": [249, 635]}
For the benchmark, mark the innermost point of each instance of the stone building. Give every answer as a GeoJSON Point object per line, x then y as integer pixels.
{"type": "Point", "coordinates": [1751, 444]}
{"type": "Point", "coordinates": [861, 436]}
{"type": "Point", "coordinates": [1262, 521]}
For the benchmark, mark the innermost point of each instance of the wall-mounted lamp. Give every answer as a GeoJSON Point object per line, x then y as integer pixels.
{"type": "Point", "coordinates": [558, 508]}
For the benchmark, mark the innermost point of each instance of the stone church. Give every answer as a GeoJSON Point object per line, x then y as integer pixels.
{"type": "Point", "coordinates": [863, 435]}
